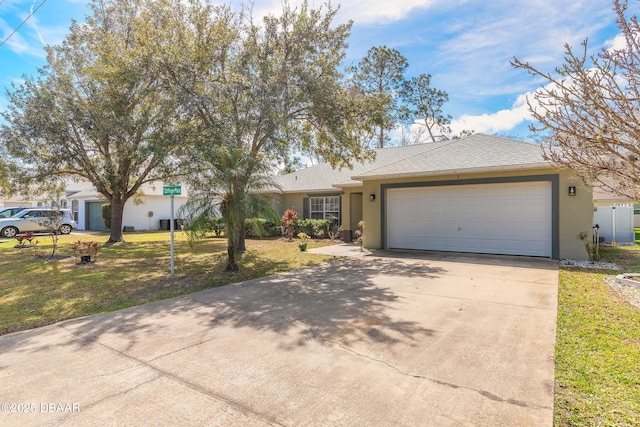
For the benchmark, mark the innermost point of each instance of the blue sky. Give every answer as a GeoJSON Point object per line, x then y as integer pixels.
{"type": "Point", "coordinates": [466, 45]}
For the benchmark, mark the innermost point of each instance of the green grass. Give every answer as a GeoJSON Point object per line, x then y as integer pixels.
{"type": "Point", "coordinates": [40, 291]}
{"type": "Point", "coordinates": [597, 348]}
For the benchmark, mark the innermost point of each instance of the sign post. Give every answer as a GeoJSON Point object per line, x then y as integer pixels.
{"type": "Point", "coordinates": [172, 190]}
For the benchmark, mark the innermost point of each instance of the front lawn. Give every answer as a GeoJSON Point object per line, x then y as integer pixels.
{"type": "Point", "coordinates": [36, 292]}
{"type": "Point", "coordinates": [598, 348]}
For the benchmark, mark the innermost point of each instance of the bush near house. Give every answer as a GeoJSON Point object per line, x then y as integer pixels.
{"type": "Point", "coordinates": [315, 228]}
{"type": "Point", "coordinates": [106, 214]}
{"type": "Point", "coordinates": [260, 227]}
{"type": "Point", "coordinates": [210, 224]}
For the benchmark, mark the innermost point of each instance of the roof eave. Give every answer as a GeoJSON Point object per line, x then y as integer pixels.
{"type": "Point", "coordinates": [310, 190]}
{"type": "Point", "coordinates": [544, 165]}
{"type": "Point", "coordinates": [348, 185]}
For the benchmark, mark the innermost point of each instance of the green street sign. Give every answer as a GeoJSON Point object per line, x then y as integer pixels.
{"type": "Point", "coordinates": [172, 190]}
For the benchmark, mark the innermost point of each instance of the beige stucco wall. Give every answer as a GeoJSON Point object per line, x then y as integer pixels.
{"type": "Point", "coordinates": [293, 201]}
{"type": "Point", "coordinates": [576, 215]}
{"type": "Point", "coordinates": [575, 212]}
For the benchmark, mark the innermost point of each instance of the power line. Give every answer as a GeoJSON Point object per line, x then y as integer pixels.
{"type": "Point", "coordinates": [22, 23]}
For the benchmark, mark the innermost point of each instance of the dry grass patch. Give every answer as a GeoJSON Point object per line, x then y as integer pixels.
{"type": "Point", "coordinates": [38, 291]}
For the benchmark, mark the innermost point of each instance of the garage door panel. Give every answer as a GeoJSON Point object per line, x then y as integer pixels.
{"type": "Point", "coordinates": [510, 218]}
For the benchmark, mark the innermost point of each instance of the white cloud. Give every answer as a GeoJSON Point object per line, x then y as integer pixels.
{"type": "Point", "coordinates": [500, 121]}
{"type": "Point", "coordinates": [381, 11]}
{"type": "Point", "coordinates": [362, 11]}
{"type": "Point", "coordinates": [30, 39]}
{"type": "Point", "coordinates": [33, 24]}
{"type": "Point", "coordinates": [616, 43]}
{"type": "Point", "coordinates": [476, 57]}
{"type": "Point", "coordinates": [18, 43]}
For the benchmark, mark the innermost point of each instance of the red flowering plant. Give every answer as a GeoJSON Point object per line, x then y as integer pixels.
{"type": "Point", "coordinates": [85, 251]}
{"type": "Point", "coordinates": [22, 238]}
{"type": "Point", "coordinates": [289, 218]}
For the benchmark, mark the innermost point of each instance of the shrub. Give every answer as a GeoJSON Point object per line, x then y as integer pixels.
{"type": "Point", "coordinates": [289, 218]}
{"type": "Point", "coordinates": [106, 214]}
{"type": "Point", "coordinates": [22, 238]}
{"type": "Point", "coordinates": [255, 227]}
{"type": "Point", "coordinates": [210, 224]}
{"type": "Point", "coordinates": [260, 227]}
{"type": "Point", "coordinates": [590, 246]}
{"type": "Point", "coordinates": [316, 228]}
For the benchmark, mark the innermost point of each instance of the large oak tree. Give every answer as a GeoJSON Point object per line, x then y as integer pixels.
{"type": "Point", "coordinates": [100, 110]}
{"type": "Point", "coordinates": [261, 90]}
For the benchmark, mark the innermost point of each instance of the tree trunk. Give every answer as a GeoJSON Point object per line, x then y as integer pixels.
{"type": "Point", "coordinates": [240, 237]}
{"type": "Point", "coordinates": [231, 256]}
{"type": "Point", "coordinates": [117, 210]}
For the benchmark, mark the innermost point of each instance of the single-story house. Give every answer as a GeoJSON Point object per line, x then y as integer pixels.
{"type": "Point", "coordinates": [479, 194]}
{"type": "Point", "coordinates": [14, 202]}
{"type": "Point", "coordinates": [32, 201]}
{"type": "Point", "coordinates": [149, 210]}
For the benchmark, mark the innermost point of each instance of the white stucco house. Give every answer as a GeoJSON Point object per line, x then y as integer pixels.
{"type": "Point", "coordinates": [148, 211]}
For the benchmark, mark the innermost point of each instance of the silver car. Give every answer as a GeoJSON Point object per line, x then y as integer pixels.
{"type": "Point", "coordinates": [9, 212]}
{"type": "Point", "coordinates": [38, 220]}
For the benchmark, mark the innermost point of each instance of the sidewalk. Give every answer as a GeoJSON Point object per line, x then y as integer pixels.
{"type": "Point", "coordinates": [343, 249]}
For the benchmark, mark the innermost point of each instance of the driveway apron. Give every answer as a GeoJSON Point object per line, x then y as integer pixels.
{"type": "Point", "coordinates": [394, 338]}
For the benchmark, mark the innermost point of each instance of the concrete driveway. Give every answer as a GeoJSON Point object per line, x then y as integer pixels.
{"type": "Point", "coordinates": [396, 338]}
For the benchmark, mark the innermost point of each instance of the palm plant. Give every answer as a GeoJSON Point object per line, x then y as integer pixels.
{"type": "Point", "coordinates": [233, 182]}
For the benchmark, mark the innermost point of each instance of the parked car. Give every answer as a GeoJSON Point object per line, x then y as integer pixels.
{"type": "Point", "coordinates": [9, 212]}
{"type": "Point", "coordinates": [38, 220]}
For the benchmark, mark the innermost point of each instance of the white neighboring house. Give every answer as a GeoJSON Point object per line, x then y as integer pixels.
{"type": "Point", "coordinates": [146, 212]}
{"type": "Point", "coordinates": [34, 202]}
{"type": "Point", "coordinates": [17, 202]}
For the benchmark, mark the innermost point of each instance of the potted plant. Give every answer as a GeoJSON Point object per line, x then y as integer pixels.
{"type": "Point", "coordinates": [360, 235]}
{"type": "Point", "coordinates": [86, 251]}
{"type": "Point", "coordinates": [303, 241]}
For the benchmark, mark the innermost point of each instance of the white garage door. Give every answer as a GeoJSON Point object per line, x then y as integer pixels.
{"type": "Point", "coordinates": [511, 218]}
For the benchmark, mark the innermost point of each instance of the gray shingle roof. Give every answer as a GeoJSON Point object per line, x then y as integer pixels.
{"type": "Point", "coordinates": [476, 153]}
{"type": "Point", "coordinates": [322, 177]}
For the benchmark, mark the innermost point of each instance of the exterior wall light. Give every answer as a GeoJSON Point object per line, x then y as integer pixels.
{"type": "Point", "coordinates": [372, 196]}
{"type": "Point", "coordinates": [572, 190]}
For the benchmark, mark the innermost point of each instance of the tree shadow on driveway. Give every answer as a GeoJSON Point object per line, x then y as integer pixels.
{"type": "Point", "coordinates": [342, 301]}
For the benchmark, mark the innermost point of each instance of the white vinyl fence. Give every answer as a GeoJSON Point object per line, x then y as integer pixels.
{"type": "Point", "coordinates": [615, 223]}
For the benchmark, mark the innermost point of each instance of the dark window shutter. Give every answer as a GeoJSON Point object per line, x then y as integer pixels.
{"type": "Point", "coordinates": [340, 211]}
{"type": "Point", "coordinates": [305, 208]}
